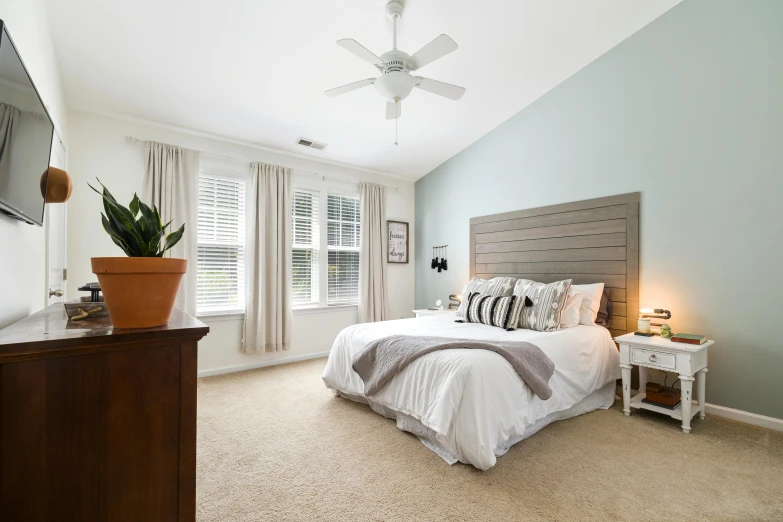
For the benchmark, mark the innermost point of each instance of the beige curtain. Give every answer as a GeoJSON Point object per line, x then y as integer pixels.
{"type": "Point", "coordinates": [268, 262]}
{"type": "Point", "coordinates": [373, 290]}
{"type": "Point", "coordinates": [9, 119]}
{"type": "Point", "coordinates": [171, 184]}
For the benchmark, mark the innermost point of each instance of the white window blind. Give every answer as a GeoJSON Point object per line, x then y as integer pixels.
{"type": "Point", "coordinates": [306, 244]}
{"type": "Point", "coordinates": [343, 245]}
{"type": "Point", "coordinates": [221, 245]}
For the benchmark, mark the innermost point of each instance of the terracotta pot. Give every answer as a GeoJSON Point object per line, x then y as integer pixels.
{"type": "Point", "coordinates": [139, 291]}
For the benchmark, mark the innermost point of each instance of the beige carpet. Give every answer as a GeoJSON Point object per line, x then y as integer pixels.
{"type": "Point", "coordinates": [274, 444]}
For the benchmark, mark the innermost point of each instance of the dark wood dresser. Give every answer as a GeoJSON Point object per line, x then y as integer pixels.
{"type": "Point", "coordinates": [98, 424]}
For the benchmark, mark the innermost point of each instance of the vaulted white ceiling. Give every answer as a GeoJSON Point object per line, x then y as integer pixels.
{"type": "Point", "coordinates": [255, 70]}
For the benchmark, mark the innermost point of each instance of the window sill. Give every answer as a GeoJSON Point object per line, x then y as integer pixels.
{"type": "Point", "coordinates": [230, 316]}
{"type": "Point", "coordinates": [324, 309]}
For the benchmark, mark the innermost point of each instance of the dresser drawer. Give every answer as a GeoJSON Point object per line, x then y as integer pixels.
{"type": "Point", "coordinates": [654, 358]}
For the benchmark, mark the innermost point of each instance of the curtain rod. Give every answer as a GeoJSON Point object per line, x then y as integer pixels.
{"type": "Point", "coordinates": [324, 177]}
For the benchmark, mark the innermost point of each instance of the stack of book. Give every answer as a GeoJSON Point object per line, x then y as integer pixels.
{"type": "Point", "coordinates": [689, 338]}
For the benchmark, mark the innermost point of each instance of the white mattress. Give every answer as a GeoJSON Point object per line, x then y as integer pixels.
{"type": "Point", "coordinates": [471, 404]}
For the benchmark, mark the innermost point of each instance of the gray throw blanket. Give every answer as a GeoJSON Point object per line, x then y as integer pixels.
{"type": "Point", "coordinates": [386, 357]}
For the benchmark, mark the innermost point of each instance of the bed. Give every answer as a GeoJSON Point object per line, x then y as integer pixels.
{"type": "Point", "coordinates": [470, 405]}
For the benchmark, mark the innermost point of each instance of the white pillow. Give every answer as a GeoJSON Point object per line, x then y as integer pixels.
{"type": "Point", "coordinates": [591, 302]}
{"type": "Point", "coordinates": [570, 316]}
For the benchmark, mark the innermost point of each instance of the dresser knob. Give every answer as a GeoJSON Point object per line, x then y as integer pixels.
{"type": "Point", "coordinates": [653, 358]}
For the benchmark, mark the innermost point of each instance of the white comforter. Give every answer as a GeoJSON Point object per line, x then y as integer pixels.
{"type": "Point", "coordinates": [473, 399]}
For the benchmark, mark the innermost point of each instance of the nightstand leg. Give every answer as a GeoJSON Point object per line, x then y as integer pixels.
{"type": "Point", "coordinates": [701, 390]}
{"type": "Point", "coordinates": [626, 369]}
{"type": "Point", "coordinates": [686, 384]}
{"type": "Point", "coordinates": [642, 379]}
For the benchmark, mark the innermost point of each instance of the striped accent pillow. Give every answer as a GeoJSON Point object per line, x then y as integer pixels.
{"type": "Point", "coordinates": [496, 287]}
{"type": "Point", "coordinates": [502, 312]}
{"type": "Point", "coordinates": [548, 304]}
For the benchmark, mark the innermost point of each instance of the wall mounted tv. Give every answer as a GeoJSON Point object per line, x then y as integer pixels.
{"type": "Point", "coordinates": [26, 132]}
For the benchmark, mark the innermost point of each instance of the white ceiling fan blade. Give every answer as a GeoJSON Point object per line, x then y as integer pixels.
{"type": "Point", "coordinates": [439, 47]}
{"type": "Point", "coordinates": [359, 50]}
{"type": "Point", "coordinates": [337, 91]}
{"type": "Point", "coordinates": [453, 92]}
{"type": "Point", "coordinates": [393, 110]}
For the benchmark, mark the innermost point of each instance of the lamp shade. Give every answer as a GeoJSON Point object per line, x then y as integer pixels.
{"type": "Point", "coordinates": [58, 187]}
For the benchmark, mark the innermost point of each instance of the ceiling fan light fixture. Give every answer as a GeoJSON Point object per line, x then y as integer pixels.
{"type": "Point", "coordinates": [395, 86]}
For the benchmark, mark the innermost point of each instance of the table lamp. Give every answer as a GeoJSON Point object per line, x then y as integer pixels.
{"type": "Point", "coordinates": [645, 314]}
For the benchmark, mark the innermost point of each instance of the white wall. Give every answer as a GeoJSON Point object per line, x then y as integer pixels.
{"type": "Point", "coordinates": [99, 149]}
{"type": "Point", "coordinates": [23, 250]}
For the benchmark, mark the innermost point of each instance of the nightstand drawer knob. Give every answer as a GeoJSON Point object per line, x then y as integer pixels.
{"type": "Point", "coordinates": [653, 358]}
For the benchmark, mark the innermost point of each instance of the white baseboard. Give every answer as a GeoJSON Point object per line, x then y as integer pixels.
{"type": "Point", "coordinates": [745, 416]}
{"type": "Point", "coordinates": [261, 364]}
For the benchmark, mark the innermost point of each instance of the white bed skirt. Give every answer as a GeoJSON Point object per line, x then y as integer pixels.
{"type": "Point", "coordinates": [603, 398]}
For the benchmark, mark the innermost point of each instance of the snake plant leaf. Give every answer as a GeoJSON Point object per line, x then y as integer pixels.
{"type": "Point", "coordinates": [114, 237]}
{"type": "Point", "coordinates": [157, 216]}
{"type": "Point", "coordinates": [153, 248]}
{"type": "Point", "coordinates": [173, 238]}
{"type": "Point", "coordinates": [134, 205]}
{"type": "Point", "coordinates": [137, 229]}
{"type": "Point", "coordinates": [149, 222]}
{"type": "Point", "coordinates": [123, 233]}
{"type": "Point", "coordinates": [124, 216]}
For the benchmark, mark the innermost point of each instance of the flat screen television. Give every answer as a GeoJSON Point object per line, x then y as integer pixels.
{"type": "Point", "coordinates": [26, 132]}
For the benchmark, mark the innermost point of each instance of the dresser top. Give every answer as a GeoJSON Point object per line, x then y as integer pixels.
{"type": "Point", "coordinates": [657, 341]}
{"type": "Point", "coordinates": [49, 331]}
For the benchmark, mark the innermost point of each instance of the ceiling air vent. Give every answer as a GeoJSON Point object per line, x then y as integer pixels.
{"type": "Point", "coordinates": [311, 144]}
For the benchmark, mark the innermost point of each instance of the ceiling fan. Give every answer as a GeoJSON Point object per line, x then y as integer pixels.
{"type": "Point", "coordinates": [396, 81]}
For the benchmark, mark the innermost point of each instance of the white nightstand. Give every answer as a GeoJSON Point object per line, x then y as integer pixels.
{"type": "Point", "coordinates": [689, 361]}
{"type": "Point", "coordinates": [424, 312]}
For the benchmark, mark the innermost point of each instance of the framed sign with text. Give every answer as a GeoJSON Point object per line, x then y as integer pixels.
{"type": "Point", "coordinates": [397, 232]}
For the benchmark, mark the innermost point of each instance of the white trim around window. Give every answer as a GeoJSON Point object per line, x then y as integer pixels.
{"type": "Point", "coordinates": [322, 191]}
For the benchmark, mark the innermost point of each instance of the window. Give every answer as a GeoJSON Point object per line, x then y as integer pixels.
{"type": "Point", "coordinates": [221, 245]}
{"type": "Point", "coordinates": [306, 243]}
{"type": "Point", "coordinates": [343, 249]}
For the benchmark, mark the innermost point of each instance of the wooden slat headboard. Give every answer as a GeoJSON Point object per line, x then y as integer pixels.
{"type": "Point", "coordinates": [590, 241]}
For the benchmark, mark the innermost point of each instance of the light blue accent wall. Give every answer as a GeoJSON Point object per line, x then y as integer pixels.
{"type": "Point", "coordinates": [688, 111]}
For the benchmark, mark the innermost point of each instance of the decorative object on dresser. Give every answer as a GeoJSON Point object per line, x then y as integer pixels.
{"type": "Point", "coordinates": [98, 423]}
{"type": "Point", "coordinates": [398, 241]}
{"type": "Point", "coordinates": [139, 289]}
{"type": "Point", "coordinates": [688, 361]}
{"type": "Point", "coordinates": [86, 307]}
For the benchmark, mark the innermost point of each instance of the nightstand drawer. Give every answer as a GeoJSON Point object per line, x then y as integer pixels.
{"type": "Point", "coordinates": [653, 358]}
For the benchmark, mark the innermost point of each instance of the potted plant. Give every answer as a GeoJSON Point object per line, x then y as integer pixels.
{"type": "Point", "coordinates": [140, 289]}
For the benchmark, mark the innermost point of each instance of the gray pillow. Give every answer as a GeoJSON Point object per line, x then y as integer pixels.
{"type": "Point", "coordinates": [604, 310]}
{"type": "Point", "coordinates": [496, 287]}
{"type": "Point", "coordinates": [548, 303]}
